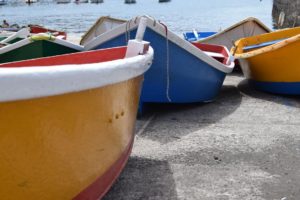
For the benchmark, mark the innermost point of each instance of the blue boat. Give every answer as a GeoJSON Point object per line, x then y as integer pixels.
{"type": "Point", "coordinates": [195, 36]}
{"type": "Point", "coordinates": [181, 72]}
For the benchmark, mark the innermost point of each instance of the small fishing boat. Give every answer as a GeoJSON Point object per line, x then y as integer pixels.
{"type": "Point", "coordinates": [9, 37]}
{"type": "Point", "coordinates": [195, 35]}
{"type": "Point", "coordinates": [67, 122]}
{"type": "Point", "coordinates": [181, 72]}
{"type": "Point", "coordinates": [102, 25]}
{"type": "Point", "coordinates": [34, 29]}
{"type": "Point", "coordinates": [245, 28]}
{"type": "Point", "coordinates": [163, 1]}
{"type": "Point", "coordinates": [36, 46]}
{"type": "Point", "coordinates": [97, 1]}
{"type": "Point", "coordinates": [63, 1]}
{"type": "Point", "coordinates": [270, 60]}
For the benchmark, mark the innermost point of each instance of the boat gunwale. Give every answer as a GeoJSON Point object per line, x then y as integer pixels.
{"type": "Point", "coordinates": [262, 50]}
{"type": "Point", "coordinates": [161, 29]}
{"type": "Point", "coordinates": [29, 40]}
{"type": "Point", "coordinates": [43, 81]}
{"type": "Point", "coordinates": [249, 19]}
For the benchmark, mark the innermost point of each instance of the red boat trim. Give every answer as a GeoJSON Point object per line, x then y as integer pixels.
{"type": "Point", "coordinates": [100, 187]}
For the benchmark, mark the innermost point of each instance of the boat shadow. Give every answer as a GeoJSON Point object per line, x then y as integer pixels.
{"type": "Point", "coordinates": [144, 178]}
{"type": "Point", "coordinates": [287, 100]}
{"type": "Point", "coordinates": [173, 121]}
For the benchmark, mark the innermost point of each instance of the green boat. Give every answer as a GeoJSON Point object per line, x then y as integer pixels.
{"type": "Point", "coordinates": [37, 46]}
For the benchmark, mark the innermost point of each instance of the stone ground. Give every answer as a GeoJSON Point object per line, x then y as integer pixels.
{"type": "Point", "coordinates": [243, 146]}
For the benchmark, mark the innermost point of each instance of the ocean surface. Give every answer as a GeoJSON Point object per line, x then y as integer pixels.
{"type": "Point", "coordinates": [179, 15]}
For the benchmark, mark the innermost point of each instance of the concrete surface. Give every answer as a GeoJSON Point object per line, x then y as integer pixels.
{"type": "Point", "coordinates": [243, 146]}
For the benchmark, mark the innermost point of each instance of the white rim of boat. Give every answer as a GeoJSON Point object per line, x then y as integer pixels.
{"type": "Point", "coordinates": [159, 28]}
{"type": "Point", "coordinates": [99, 21]}
{"type": "Point", "coordinates": [249, 19]}
{"type": "Point", "coordinates": [26, 41]}
{"type": "Point", "coordinates": [22, 83]}
{"type": "Point", "coordinates": [266, 49]}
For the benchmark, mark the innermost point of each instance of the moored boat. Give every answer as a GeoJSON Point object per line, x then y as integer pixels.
{"type": "Point", "coordinates": [181, 72]}
{"type": "Point", "coordinates": [245, 28]}
{"type": "Point", "coordinates": [63, 1]}
{"type": "Point", "coordinates": [270, 60]}
{"type": "Point", "coordinates": [81, 1]}
{"type": "Point", "coordinates": [3, 2]}
{"type": "Point", "coordinates": [97, 1]}
{"type": "Point", "coordinates": [75, 118]}
{"type": "Point", "coordinates": [102, 25]}
{"type": "Point", "coordinates": [36, 46]}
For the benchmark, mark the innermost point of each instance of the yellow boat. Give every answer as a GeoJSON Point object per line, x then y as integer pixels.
{"type": "Point", "coordinates": [270, 61]}
{"type": "Point", "coordinates": [67, 122]}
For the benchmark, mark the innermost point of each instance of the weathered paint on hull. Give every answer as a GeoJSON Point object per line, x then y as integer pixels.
{"type": "Point", "coordinates": [36, 49]}
{"type": "Point", "coordinates": [58, 147]}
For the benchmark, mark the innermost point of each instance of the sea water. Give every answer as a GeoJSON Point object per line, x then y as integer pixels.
{"type": "Point", "coordinates": [179, 15]}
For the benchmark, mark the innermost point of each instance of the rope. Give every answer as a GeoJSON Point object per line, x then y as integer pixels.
{"type": "Point", "coordinates": [167, 63]}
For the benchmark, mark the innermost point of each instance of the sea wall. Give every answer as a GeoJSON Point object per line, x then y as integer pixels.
{"type": "Point", "coordinates": [286, 13]}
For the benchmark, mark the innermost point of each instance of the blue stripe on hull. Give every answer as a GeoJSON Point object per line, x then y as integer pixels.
{"type": "Point", "coordinates": [287, 88]}
{"type": "Point", "coordinates": [191, 79]}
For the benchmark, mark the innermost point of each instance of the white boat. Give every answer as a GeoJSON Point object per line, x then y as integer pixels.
{"type": "Point", "coordinates": [245, 28]}
{"type": "Point", "coordinates": [102, 25]}
{"type": "Point", "coordinates": [63, 1]}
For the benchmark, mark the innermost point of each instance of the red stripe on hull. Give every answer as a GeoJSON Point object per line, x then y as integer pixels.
{"type": "Point", "coordinates": [100, 187]}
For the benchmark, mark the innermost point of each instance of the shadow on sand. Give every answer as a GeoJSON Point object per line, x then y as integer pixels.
{"type": "Point", "coordinates": [287, 100]}
{"type": "Point", "coordinates": [144, 179]}
{"type": "Point", "coordinates": [187, 118]}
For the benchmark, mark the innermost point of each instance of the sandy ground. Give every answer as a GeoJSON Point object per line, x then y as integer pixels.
{"type": "Point", "coordinates": [243, 146]}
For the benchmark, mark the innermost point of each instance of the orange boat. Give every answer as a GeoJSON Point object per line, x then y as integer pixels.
{"type": "Point", "coordinates": [67, 122]}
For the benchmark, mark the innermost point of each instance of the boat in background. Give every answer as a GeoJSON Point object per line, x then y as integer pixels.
{"type": "Point", "coordinates": [63, 1]}
{"type": "Point", "coordinates": [31, 1]}
{"type": "Point", "coordinates": [81, 1]}
{"type": "Point", "coordinates": [270, 61]}
{"type": "Point", "coordinates": [34, 29]}
{"type": "Point", "coordinates": [195, 35]}
{"type": "Point", "coordinates": [163, 1]}
{"type": "Point", "coordinates": [97, 1]}
{"type": "Point", "coordinates": [3, 2]}
{"type": "Point", "coordinates": [76, 118]}
{"type": "Point", "coordinates": [245, 28]}
{"type": "Point", "coordinates": [102, 25]}
{"type": "Point", "coordinates": [181, 72]}
{"type": "Point", "coordinates": [129, 1]}
{"type": "Point", "coordinates": [37, 46]}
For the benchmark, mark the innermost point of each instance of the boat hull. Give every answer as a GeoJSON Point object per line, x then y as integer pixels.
{"type": "Point", "coordinates": [184, 79]}
{"type": "Point", "coordinates": [67, 146]}
{"type": "Point", "coordinates": [275, 67]}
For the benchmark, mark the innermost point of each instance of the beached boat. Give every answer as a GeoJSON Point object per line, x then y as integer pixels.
{"type": "Point", "coordinates": [67, 122]}
{"type": "Point", "coordinates": [270, 60]}
{"type": "Point", "coordinates": [36, 46]}
{"type": "Point", "coordinates": [63, 1]}
{"type": "Point", "coordinates": [34, 29]}
{"type": "Point", "coordinates": [245, 28]}
{"type": "Point", "coordinates": [9, 37]}
{"type": "Point", "coordinates": [195, 35]}
{"type": "Point", "coordinates": [102, 25]}
{"type": "Point", "coordinates": [181, 72]}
